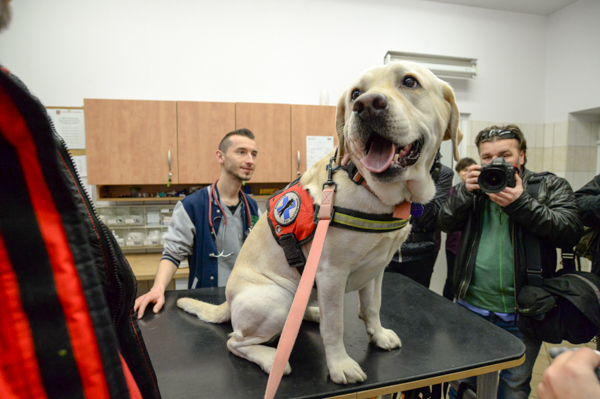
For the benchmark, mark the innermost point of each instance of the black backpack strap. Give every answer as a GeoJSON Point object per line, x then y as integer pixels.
{"type": "Point", "coordinates": [532, 243]}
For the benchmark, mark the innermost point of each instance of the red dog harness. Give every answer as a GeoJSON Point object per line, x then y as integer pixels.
{"type": "Point", "coordinates": [293, 218]}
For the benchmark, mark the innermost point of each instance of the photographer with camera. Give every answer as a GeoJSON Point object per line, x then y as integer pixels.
{"type": "Point", "coordinates": [494, 210]}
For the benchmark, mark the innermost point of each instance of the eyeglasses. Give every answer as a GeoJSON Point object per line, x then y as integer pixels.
{"type": "Point", "coordinates": [503, 134]}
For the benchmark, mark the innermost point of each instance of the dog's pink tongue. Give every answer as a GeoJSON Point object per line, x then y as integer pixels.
{"type": "Point", "coordinates": [380, 155]}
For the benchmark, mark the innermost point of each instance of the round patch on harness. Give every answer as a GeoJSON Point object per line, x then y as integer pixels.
{"type": "Point", "coordinates": [287, 208]}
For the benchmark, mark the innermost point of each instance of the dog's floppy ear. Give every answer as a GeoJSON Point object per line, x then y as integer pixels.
{"type": "Point", "coordinates": [452, 131]}
{"type": "Point", "coordinates": [340, 122]}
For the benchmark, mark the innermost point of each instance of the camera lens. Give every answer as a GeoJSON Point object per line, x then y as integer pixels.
{"type": "Point", "coordinates": [492, 180]}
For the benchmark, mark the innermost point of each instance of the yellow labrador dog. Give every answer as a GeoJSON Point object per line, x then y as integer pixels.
{"type": "Point", "coordinates": [390, 123]}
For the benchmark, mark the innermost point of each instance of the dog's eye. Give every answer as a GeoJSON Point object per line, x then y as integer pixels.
{"type": "Point", "coordinates": [355, 94]}
{"type": "Point", "coordinates": [410, 82]}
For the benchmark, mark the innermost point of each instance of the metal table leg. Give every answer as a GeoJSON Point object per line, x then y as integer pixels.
{"type": "Point", "coordinates": [487, 385]}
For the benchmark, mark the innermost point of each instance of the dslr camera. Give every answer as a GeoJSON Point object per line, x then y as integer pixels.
{"type": "Point", "coordinates": [496, 176]}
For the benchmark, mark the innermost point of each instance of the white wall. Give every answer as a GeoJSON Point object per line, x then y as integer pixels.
{"type": "Point", "coordinates": [278, 51]}
{"type": "Point", "coordinates": [573, 60]}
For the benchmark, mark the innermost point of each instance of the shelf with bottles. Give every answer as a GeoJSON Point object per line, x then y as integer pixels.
{"type": "Point", "coordinates": [136, 239]}
{"type": "Point", "coordinates": [140, 227]}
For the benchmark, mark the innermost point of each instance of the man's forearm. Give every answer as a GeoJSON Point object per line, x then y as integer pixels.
{"type": "Point", "coordinates": [164, 274]}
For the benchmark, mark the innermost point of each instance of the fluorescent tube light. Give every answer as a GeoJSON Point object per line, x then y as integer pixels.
{"type": "Point", "coordinates": [441, 66]}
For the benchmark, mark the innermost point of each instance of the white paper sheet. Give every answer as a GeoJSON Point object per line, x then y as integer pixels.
{"type": "Point", "coordinates": [70, 125]}
{"type": "Point", "coordinates": [317, 147]}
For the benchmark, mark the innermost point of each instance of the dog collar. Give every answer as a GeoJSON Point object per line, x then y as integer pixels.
{"type": "Point", "coordinates": [367, 222]}
{"type": "Point", "coordinates": [403, 210]}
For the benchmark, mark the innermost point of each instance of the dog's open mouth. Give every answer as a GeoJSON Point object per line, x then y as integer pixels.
{"type": "Point", "coordinates": [380, 154]}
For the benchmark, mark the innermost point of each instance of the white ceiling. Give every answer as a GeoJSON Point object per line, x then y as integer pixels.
{"type": "Point", "coordinates": [539, 7]}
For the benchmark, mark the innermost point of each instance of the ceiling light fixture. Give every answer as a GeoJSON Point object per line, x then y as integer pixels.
{"type": "Point", "coordinates": [442, 66]}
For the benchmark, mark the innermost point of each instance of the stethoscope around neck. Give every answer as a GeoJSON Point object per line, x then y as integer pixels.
{"type": "Point", "coordinates": [212, 197]}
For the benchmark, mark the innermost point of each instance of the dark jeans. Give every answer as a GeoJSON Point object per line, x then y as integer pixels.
{"type": "Point", "coordinates": [451, 259]}
{"type": "Point", "coordinates": [515, 382]}
{"type": "Point", "coordinates": [419, 270]}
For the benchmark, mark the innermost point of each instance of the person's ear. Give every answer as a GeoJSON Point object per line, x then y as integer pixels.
{"type": "Point", "coordinates": [220, 157]}
{"type": "Point", "coordinates": [521, 158]}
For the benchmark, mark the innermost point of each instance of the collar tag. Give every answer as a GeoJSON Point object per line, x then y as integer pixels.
{"type": "Point", "coordinates": [416, 210]}
{"type": "Point", "coordinates": [402, 210]}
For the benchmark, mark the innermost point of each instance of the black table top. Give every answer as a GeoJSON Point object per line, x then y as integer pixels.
{"type": "Point", "coordinates": [191, 358]}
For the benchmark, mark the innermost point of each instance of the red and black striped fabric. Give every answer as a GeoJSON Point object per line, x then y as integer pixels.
{"type": "Point", "coordinates": [66, 290]}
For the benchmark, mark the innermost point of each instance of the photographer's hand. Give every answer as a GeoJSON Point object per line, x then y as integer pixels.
{"type": "Point", "coordinates": [507, 196]}
{"type": "Point", "coordinates": [571, 376]}
{"type": "Point", "coordinates": [472, 177]}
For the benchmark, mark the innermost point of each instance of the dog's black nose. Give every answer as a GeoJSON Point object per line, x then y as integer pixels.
{"type": "Point", "coordinates": [370, 105]}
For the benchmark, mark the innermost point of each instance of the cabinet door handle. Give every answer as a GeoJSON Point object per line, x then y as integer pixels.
{"type": "Point", "coordinates": [298, 173]}
{"type": "Point", "coordinates": [170, 175]}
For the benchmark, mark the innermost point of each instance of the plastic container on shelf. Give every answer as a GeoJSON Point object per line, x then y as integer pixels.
{"type": "Point", "coordinates": [135, 238]}
{"type": "Point", "coordinates": [166, 214]}
{"type": "Point", "coordinates": [138, 228]}
{"type": "Point", "coordinates": [120, 240]}
{"type": "Point", "coordinates": [135, 216]}
{"type": "Point", "coordinates": [112, 217]}
{"type": "Point", "coordinates": [153, 238]}
{"type": "Point", "coordinates": [153, 216]}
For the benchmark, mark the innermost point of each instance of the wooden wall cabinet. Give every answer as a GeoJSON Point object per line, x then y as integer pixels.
{"type": "Point", "coordinates": [271, 126]}
{"type": "Point", "coordinates": [309, 120]}
{"type": "Point", "coordinates": [128, 141]}
{"type": "Point", "coordinates": [201, 126]}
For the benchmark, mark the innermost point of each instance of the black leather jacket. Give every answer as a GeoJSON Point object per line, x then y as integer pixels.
{"type": "Point", "coordinates": [552, 217]}
{"type": "Point", "coordinates": [588, 201]}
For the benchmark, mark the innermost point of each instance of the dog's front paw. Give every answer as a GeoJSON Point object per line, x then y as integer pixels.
{"type": "Point", "coordinates": [346, 371]}
{"type": "Point", "coordinates": [385, 339]}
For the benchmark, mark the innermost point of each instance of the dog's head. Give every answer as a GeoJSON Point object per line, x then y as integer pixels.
{"type": "Point", "coordinates": [390, 123]}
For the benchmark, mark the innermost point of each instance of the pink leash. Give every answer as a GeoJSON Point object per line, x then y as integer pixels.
{"type": "Point", "coordinates": [294, 319]}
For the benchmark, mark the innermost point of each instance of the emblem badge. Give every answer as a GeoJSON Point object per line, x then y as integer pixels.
{"type": "Point", "coordinates": [287, 208]}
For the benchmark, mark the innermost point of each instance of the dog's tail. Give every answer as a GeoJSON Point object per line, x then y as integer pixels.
{"type": "Point", "coordinates": [206, 311]}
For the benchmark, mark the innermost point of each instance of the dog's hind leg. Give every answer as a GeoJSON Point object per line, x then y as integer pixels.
{"type": "Point", "coordinates": [258, 315]}
{"type": "Point", "coordinates": [250, 349]}
{"type": "Point", "coordinates": [370, 304]}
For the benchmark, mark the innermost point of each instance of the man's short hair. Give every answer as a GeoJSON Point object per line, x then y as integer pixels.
{"type": "Point", "coordinates": [225, 142]}
{"type": "Point", "coordinates": [464, 163]}
{"type": "Point", "coordinates": [495, 133]}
